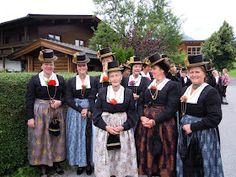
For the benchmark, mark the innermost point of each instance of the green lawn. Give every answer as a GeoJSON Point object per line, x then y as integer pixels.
{"type": "Point", "coordinates": [232, 73]}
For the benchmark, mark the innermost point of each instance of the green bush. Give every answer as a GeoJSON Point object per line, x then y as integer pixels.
{"type": "Point", "coordinates": [25, 171]}
{"type": "Point", "coordinates": [13, 128]}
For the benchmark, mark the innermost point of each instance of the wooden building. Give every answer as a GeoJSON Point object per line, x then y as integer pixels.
{"type": "Point", "coordinates": [191, 47]}
{"type": "Point", "coordinates": [28, 55]}
{"type": "Point", "coordinates": [66, 31]}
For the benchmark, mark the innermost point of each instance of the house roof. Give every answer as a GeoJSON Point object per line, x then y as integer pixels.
{"type": "Point", "coordinates": [65, 48]}
{"type": "Point", "coordinates": [31, 17]}
{"type": "Point", "coordinates": [192, 40]}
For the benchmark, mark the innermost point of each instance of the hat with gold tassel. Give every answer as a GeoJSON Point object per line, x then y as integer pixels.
{"type": "Point", "coordinates": [47, 56]}
{"type": "Point", "coordinates": [135, 60]}
{"type": "Point", "coordinates": [105, 52]}
{"type": "Point", "coordinates": [80, 58]}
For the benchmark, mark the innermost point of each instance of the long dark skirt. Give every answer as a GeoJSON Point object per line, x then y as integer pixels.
{"type": "Point", "coordinates": [163, 164]}
{"type": "Point", "coordinates": [209, 147]}
{"type": "Point", "coordinates": [43, 148]}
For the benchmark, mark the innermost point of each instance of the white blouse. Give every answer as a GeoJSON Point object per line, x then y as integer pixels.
{"type": "Point", "coordinates": [44, 80]}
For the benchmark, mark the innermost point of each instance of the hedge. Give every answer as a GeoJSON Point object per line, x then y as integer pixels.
{"type": "Point", "coordinates": [13, 128]}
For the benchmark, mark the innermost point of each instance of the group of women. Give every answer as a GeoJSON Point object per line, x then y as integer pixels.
{"type": "Point", "coordinates": [124, 124]}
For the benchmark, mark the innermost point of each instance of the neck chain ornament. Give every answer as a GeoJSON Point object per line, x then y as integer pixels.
{"type": "Point", "coordinates": [183, 101]}
{"type": "Point", "coordinates": [153, 90]}
{"type": "Point", "coordinates": [52, 83]}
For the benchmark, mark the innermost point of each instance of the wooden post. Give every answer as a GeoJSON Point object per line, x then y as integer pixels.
{"type": "Point", "coordinates": [69, 60]}
{"type": "Point", "coordinates": [29, 64]}
{"type": "Point", "coordinates": [3, 63]}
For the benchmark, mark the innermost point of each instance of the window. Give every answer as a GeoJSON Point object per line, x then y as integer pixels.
{"type": "Point", "coordinates": [194, 50]}
{"type": "Point", "coordinates": [79, 43]}
{"type": "Point", "coordinates": [54, 37]}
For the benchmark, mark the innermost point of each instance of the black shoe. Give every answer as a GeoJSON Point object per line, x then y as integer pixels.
{"type": "Point", "coordinates": [59, 170]}
{"type": "Point", "coordinates": [89, 169]}
{"type": "Point", "coordinates": [80, 170]}
{"type": "Point", "coordinates": [44, 171]}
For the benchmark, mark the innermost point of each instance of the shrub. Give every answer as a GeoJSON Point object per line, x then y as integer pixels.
{"type": "Point", "coordinates": [13, 128]}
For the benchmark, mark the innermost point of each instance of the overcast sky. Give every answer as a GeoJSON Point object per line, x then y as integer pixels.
{"type": "Point", "coordinates": [200, 17]}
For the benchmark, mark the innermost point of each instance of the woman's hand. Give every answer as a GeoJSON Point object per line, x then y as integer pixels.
{"type": "Point", "coordinates": [149, 124]}
{"type": "Point", "coordinates": [119, 129]}
{"type": "Point", "coordinates": [135, 96]}
{"type": "Point", "coordinates": [146, 122]}
{"type": "Point", "coordinates": [187, 128]}
{"type": "Point", "coordinates": [84, 113]}
{"type": "Point", "coordinates": [55, 104]}
{"type": "Point", "coordinates": [111, 130]}
{"type": "Point", "coordinates": [30, 123]}
{"type": "Point", "coordinates": [144, 119]}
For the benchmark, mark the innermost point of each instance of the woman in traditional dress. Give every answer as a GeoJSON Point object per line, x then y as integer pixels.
{"type": "Point", "coordinates": [105, 55]}
{"type": "Point", "coordinates": [225, 83]}
{"type": "Point", "coordinates": [44, 98]}
{"type": "Point", "coordinates": [114, 117]}
{"type": "Point", "coordinates": [80, 100]}
{"type": "Point", "coordinates": [146, 72]}
{"type": "Point", "coordinates": [198, 152]}
{"type": "Point", "coordinates": [156, 131]}
{"type": "Point", "coordinates": [126, 69]}
{"type": "Point", "coordinates": [136, 83]}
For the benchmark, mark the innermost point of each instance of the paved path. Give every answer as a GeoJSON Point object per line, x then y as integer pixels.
{"type": "Point", "coordinates": [227, 133]}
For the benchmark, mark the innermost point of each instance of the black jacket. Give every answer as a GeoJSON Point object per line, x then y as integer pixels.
{"type": "Point", "coordinates": [36, 91]}
{"type": "Point", "coordinates": [72, 93]}
{"type": "Point", "coordinates": [127, 106]}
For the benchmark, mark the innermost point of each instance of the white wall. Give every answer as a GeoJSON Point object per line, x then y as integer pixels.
{"type": "Point", "coordinates": [13, 65]}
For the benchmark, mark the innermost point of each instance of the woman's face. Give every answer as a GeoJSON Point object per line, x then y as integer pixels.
{"type": "Point", "coordinates": [82, 68]}
{"type": "Point", "coordinates": [197, 75]}
{"type": "Point", "coordinates": [215, 73]}
{"type": "Point", "coordinates": [48, 68]}
{"type": "Point", "coordinates": [183, 73]}
{"type": "Point", "coordinates": [126, 72]}
{"type": "Point", "coordinates": [115, 78]}
{"type": "Point", "coordinates": [225, 71]}
{"type": "Point", "coordinates": [157, 72]}
{"type": "Point", "coordinates": [136, 69]}
{"type": "Point", "coordinates": [106, 60]}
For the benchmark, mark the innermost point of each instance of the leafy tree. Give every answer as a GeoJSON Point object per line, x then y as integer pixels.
{"type": "Point", "coordinates": [104, 36]}
{"type": "Point", "coordinates": [122, 54]}
{"type": "Point", "coordinates": [146, 26]}
{"type": "Point", "coordinates": [220, 47]}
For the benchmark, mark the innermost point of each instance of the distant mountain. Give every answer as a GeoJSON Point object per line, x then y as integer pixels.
{"type": "Point", "coordinates": [186, 37]}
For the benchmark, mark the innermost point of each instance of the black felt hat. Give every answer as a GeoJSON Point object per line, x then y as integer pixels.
{"type": "Point", "coordinates": [163, 63]}
{"type": "Point", "coordinates": [155, 58]}
{"type": "Point", "coordinates": [79, 58]}
{"type": "Point", "coordinates": [135, 60]}
{"type": "Point", "coordinates": [113, 66]}
{"type": "Point", "coordinates": [47, 56]}
{"type": "Point", "coordinates": [105, 52]}
{"type": "Point", "coordinates": [195, 60]}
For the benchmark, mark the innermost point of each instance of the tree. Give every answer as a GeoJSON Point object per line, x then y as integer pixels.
{"type": "Point", "coordinates": [146, 26]}
{"type": "Point", "coordinates": [104, 36]}
{"type": "Point", "coordinates": [220, 47]}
